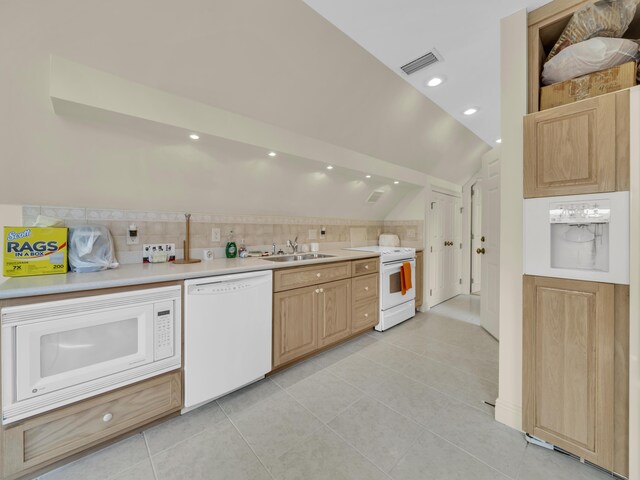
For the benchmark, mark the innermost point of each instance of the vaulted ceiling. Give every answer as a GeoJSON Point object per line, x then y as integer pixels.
{"type": "Point", "coordinates": [466, 33]}
{"type": "Point", "coordinates": [278, 61]}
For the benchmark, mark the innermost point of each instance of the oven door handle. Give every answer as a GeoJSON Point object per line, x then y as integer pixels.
{"type": "Point", "coordinates": [412, 261]}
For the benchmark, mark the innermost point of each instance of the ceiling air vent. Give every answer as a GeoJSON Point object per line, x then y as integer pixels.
{"type": "Point", "coordinates": [423, 62]}
{"type": "Point", "coordinates": [375, 196]}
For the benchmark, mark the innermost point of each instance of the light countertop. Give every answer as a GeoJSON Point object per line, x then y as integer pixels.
{"type": "Point", "coordinates": [140, 274]}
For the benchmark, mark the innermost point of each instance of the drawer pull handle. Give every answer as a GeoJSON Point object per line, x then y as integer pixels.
{"type": "Point", "coordinates": [322, 290]}
{"type": "Point", "coordinates": [318, 275]}
{"type": "Point", "coordinates": [366, 315]}
{"type": "Point", "coordinates": [366, 267]}
{"type": "Point", "coordinates": [317, 290]}
{"type": "Point", "coordinates": [107, 418]}
{"type": "Point", "coordinates": [366, 289]}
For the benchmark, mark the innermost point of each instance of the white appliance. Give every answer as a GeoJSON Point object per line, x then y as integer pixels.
{"type": "Point", "coordinates": [59, 352]}
{"type": "Point", "coordinates": [581, 237]}
{"type": "Point", "coordinates": [227, 334]}
{"type": "Point", "coordinates": [395, 308]}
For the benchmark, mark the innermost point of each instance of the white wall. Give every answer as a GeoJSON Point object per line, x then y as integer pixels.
{"type": "Point", "coordinates": [514, 106]}
{"type": "Point", "coordinates": [10, 215]}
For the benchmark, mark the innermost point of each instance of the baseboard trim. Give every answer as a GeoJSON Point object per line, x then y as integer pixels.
{"type": "Point", "coordinates": [509, 413]}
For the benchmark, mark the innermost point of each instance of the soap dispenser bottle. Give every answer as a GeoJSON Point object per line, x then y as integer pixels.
{"type": "Point", "coordinates": [232, 249]}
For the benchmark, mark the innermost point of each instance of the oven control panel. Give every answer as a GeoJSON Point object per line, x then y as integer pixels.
{"type": "Point", "coordinates": [163, 330]}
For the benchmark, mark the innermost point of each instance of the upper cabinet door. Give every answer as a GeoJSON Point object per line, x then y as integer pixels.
{"type": "Point", "coordinates": [578, 148]}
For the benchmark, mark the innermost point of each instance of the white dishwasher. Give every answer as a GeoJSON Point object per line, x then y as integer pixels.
{"type": "Point", "coordinates": [227, 334]}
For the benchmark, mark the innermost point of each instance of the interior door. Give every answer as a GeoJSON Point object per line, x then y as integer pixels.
{"type": "Point", "coordinates": [437, 249]}
{"type": "Point", "coordinates": [444, 249]}
{"type": "Point", "coordinates": [490, 256]}
{"type": "Point", "coordinates": [476, 237]}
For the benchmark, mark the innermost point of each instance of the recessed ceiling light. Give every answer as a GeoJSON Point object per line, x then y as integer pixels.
{"type": "Point", "coordinates": [272, 154]}
{"type": "Point", "coordinates": [499, 140]}
{"type": "Point", "coordinates": [396, 182]}
{"type": "Point", "coordinates": [367, 176]}
{"type": "Point", "coordinates": [194, 136]}
{"type": "Point", "coordinates": [329, 167]}
{"type": "Point", "coordinates": [435, 81]}
{"type": "Point", "coordinates": [470, 111]}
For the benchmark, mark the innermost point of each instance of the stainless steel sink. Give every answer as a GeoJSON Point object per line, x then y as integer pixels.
{"type": "Point", "coordinates": [298, 257]}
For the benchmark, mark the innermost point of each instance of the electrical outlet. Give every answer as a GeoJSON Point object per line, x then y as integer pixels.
{"type": "Point", "coordinates": [150, 248]}
{"type": "Point", "coordinates": [313, 234]}
{"type": "Point", "coordinates": [215, 234]}
{"type": "Point", "coordinates": [411, 233]}
{"type": "Point", "coordinates": [323, 232]}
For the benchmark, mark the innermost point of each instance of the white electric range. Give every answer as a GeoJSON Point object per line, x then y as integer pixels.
{"type": "Point", "coordinates": [395, 307]}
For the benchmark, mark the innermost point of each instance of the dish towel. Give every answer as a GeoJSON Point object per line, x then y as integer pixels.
{"type": "Point", "coordinates": [405, 277]}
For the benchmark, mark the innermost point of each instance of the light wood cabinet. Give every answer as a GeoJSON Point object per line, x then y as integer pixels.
{"type": "Point", "coordinates": [568, 376]}
{"type": "Point", "coordinates": [310, 318]}
{"type": "Point", "coordinates": [366, 303]}
{"type": "Point", "coordinates": [295, 324]}
{"type": "Point", "coordinates": [578, 148]}
{"type": "Point", "coordinates": [334, 312]}
{"type": "Point", "coordinates": [365, 267]}
{"type": "Point", "coordinates": [419, 278]}
{"type": "Point", "coordinates": [364, 316]}
{"type": "Point", "coordinates": [299, 277]}
{"type": "Point", "coordinates": [47, 438]}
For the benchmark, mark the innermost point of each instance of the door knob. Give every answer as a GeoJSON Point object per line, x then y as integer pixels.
{"type": "Point", "coordinates": [480, 251]}
{"type": "Point", "coordinates": [107, 418]}
{"type": "Point", "coordinates": [482, 238]}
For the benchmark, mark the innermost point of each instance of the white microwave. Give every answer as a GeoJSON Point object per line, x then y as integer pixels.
{"type": "Point", "coordinates": [56, 353]}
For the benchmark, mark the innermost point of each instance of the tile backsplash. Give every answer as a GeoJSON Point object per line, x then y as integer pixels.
{"type": "Point", "coordinates": [258, 232]}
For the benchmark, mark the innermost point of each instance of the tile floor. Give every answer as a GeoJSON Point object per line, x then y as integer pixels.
{"type": "Point", "coordinates": [403, 404]}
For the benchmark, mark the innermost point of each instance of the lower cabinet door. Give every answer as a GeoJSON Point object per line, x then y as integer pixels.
{"type": "Point", "coordinates": [568, 370]}
{"type": "Point", "coordinates": [365, 315]}
{"type": "Point", "coordinates": [334, 312]}
{"type": "Point", "coordinates": [47, 438]}
{"type": "Point", "coordinates": [295, 324]}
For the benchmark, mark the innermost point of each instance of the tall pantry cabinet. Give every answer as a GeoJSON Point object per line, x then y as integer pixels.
{"type": "Point", "coordinates": [575, 332]}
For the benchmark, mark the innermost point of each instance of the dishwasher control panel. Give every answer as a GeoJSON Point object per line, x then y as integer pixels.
{"type": "Point", "coordinates": [163, 330]}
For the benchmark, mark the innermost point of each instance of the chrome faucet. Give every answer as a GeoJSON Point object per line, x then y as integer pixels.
{"type": "Point", "coordinates": [293, 245]}
{"type": "Point", "coordinates": [273, 248]}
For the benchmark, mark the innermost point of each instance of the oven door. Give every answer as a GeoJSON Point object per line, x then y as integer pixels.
{"type": "Point", "coordinates": [58, 353]}
{"type": "Point", "coordinates": [390, 286]}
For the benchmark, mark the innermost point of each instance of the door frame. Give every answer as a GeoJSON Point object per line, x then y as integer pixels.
{"type": "Point", "coordinates": [466, 231]}
{"type": "Point", "coordinates": [433, 189]}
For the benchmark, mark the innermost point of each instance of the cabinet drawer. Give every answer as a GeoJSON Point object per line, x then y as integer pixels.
{"type": "Point", "coordinates": [365, 267]}
{"type": "Point", "coordinates": [307, 276]}
{"type": "Point", "coordinates": [365, 288]}
{"type": "Point", "coordinates": [364, 316]}
{"type": "Point", "coordinates": [53, 436]}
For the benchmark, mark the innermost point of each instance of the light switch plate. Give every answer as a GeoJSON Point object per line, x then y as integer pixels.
{"type": "Point", "coordinates": [215, 234]}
